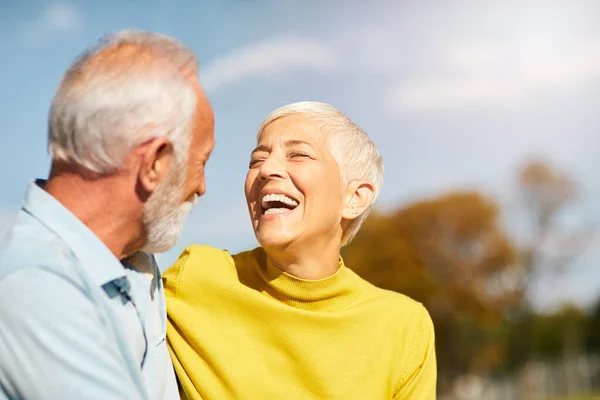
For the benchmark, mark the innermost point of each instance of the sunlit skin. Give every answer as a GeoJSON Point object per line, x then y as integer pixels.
{"type": "Point", "coordinates": [293, 158]}
{"type": "Point", "coordinates": [159, 158]}
{"type": "Point", "coordinates": [112, 205]}
{"type": "Point", "coordinates": [201, 146]}
{"type": "Point", "coordinates": [155, 156]}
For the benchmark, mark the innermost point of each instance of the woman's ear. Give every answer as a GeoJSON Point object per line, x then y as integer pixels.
{"type": "Point", "coordinates": [358, 197]}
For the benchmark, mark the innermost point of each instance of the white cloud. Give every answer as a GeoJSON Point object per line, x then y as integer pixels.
{"type": "Point", "coordinates": [506, 73]}
{"type": "Point", "coordinates": [468, 54]}
{"type": "Point", "coordinates": [56, 17]}
{"type": "Point", "coordinates": [450, 66]}
{"type": "Point", "coordinates": [268, 57]}
{"type": "Point", "coordinates": [470, 74]}
{"type": "Point", "coordinates": [61, 17]}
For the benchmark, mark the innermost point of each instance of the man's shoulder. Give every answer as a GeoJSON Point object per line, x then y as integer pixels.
{"type": "Point", "coordinates": [51, 324]}
{"type": "Point", "coordinates": [42, 292]}
{"type": "Point", "coordinates": [28, 244]}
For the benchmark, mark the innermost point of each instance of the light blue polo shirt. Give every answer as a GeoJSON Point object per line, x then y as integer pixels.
{"type": "Point", "coordinates": [75, 322]}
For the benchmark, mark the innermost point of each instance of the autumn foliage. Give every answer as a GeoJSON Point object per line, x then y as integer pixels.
{"type": "Point", "coordinates": [454, 254]}
{"type": "Point", "coordinates": [451, 254]}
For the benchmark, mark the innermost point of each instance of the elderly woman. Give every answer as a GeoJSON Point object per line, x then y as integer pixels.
{"type": "Point", "coordinates": [288, 320]}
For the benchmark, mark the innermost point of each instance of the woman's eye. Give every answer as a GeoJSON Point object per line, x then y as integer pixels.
{"type": "Point", "coordinates": [255, 161]}
{"type": "Point", "coordinates": [296, 155]}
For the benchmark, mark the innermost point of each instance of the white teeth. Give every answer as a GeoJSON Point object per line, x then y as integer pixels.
{"type": "Point", "coordinates": [278, 197]}
{"type": "Point", "coordinates": [276, 211]}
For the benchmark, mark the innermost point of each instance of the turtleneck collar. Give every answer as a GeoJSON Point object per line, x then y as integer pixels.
{"type": "Point", "coordinates": [329, 294]}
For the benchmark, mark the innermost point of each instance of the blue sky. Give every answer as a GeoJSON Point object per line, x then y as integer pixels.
{"type": "Point", "coordinates": [456, 94]}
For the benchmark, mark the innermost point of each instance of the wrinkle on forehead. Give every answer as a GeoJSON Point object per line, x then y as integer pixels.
{"type": "Point", "coordinates": [317, 133]}
{"type": "Point", "coordinates": [322, 130]}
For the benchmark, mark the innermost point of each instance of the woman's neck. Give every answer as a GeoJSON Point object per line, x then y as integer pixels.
{"type": "Point", "coordinates": [313, 265]}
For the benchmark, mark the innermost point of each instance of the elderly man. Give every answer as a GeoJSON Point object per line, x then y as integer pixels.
{"type": "Point", "coordinates": [130, 132]}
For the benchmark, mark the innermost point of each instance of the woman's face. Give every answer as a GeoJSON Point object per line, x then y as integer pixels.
{"type": "Point", "coordinates": [293, 187]}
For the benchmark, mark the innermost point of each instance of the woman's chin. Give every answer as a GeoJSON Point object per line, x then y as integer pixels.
{"type": "Point", "coordinates": [273, 239]}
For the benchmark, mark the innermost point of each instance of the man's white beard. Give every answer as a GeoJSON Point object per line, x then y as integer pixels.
{"type": "Point", "coordinates": [164, 215]}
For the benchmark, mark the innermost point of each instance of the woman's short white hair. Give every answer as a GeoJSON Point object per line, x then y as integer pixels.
{"type": "Point", "coordinates": [131, 87]}
{"type": "Point", "coordinates": [357, 156]}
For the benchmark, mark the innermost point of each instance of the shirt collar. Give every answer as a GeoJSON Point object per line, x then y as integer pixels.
{"type": "Point", "coordinates": [95, 258]}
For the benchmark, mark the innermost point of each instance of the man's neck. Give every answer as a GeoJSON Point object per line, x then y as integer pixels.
{"type": "Point", "coordinates": [95, 201]}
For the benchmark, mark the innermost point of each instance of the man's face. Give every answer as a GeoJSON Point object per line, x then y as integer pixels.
{"type": "Point", "coordinates": [168, 207]}
{"type": "Point", "coordinates": [201, 146]}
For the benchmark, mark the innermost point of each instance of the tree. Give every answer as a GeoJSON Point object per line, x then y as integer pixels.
{"type": "Point", "coordinates": [451, 254]}
{"type": "Point", "coordinates": [593, 329]}
{"type": "Point", "coordinates": [548, 246]}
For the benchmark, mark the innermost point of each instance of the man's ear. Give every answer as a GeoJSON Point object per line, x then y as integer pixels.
{"type": "Point", "coordinates": [156, 157]}
{"type": "Point", "coordinates": [358, 196]}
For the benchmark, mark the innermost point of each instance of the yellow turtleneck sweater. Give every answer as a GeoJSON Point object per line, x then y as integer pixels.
{"type": "Point", "coordinates": [240, 328]}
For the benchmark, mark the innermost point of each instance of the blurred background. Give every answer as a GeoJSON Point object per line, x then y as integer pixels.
{"type": "Point", "coordinates": [486, 114]}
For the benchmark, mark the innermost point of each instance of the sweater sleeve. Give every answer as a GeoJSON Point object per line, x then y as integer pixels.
{"type": "Point", "coordinates": [420, 371]}
{"type": "Point", "coordinates": [198, 262]}
{"type": "Point", "coordinates": [171, 277]}
{"type": "Point", "coordinates": [183, 284]}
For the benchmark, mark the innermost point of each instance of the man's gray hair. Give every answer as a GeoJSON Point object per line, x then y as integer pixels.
{"type": "Point", "coordinates": [356, 155]}
{"type": "Point", "coordinates": [131, 87]}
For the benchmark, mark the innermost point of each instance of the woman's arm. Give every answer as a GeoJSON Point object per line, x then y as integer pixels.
{"type": "Point", "coordinates": [420, 373]}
